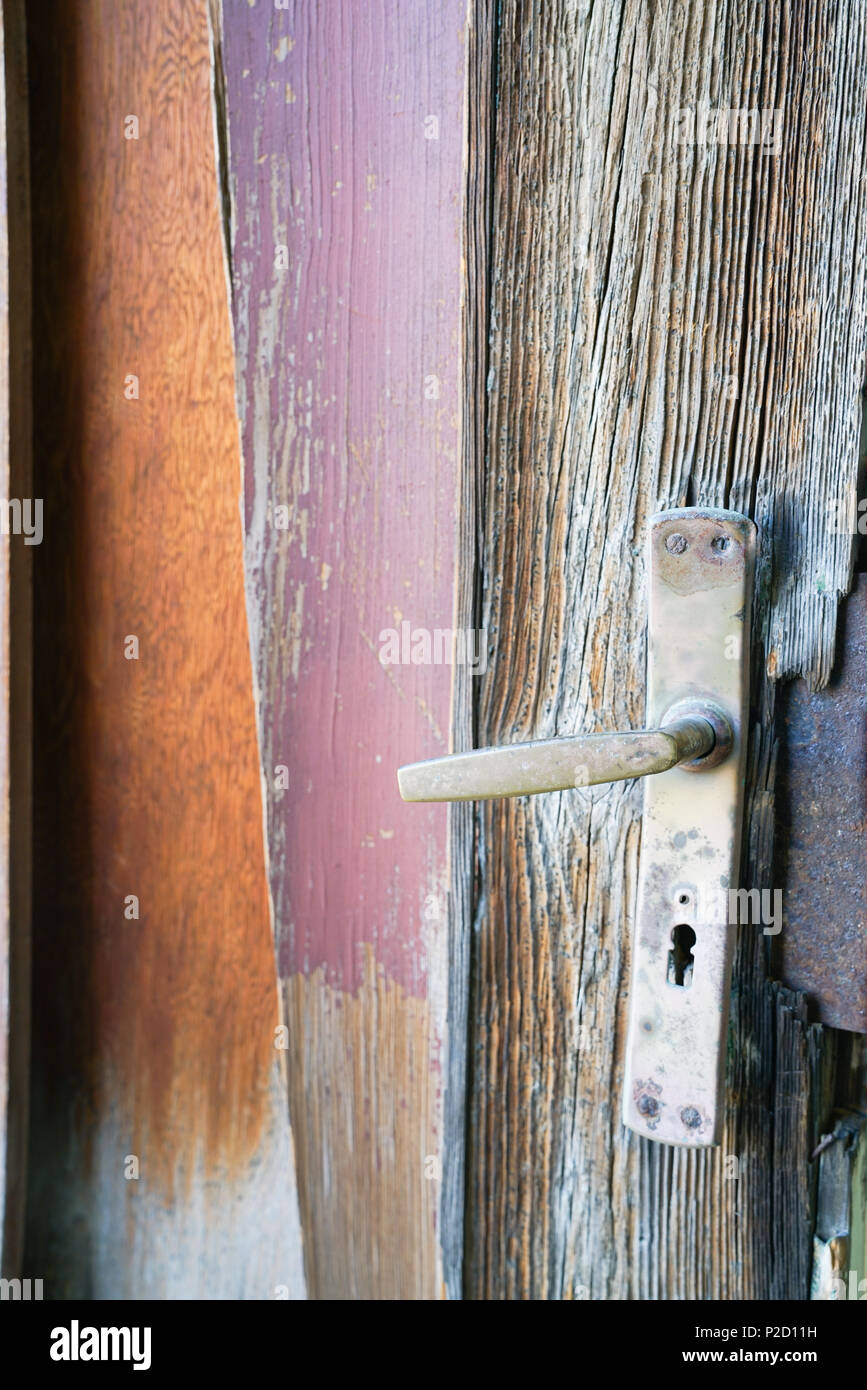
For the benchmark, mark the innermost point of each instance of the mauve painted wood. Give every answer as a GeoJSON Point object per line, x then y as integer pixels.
{"type": "Point", "coordinates": [344, 131]}
{"type": "Point", "coordinates": [334, 353]}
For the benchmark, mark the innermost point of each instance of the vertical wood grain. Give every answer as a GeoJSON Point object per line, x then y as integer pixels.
{"type": "Point", "coordinates": [343, 131]}
{"type": "Point", "coordinates": [669, 324]}
{"type": "Point", "coordinates": [154, 1036]}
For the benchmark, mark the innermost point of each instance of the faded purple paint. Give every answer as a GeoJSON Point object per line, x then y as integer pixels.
{"type": "Point", "coordinates": [333, 156]}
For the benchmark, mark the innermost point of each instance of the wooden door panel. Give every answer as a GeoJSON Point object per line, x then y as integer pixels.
{"type": "Point", "coordinates": [356, 325]}
{"type": "Point", "coordinates": [670, 323]}
{"type": "Point", "coordinates": [343, 127]}
{"type": "Point", "coordinates": [154, 1025]}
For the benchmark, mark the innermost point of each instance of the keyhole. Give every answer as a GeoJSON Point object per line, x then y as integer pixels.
{"type": "Point", "coordinates": [680, 957]}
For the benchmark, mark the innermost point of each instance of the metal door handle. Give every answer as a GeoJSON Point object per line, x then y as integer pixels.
{"type": "Point", "coordinates": [696, 738]}
{"type": "Point", "coordinates": [700, 567]}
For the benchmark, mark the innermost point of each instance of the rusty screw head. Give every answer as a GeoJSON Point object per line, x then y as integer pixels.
{"type": "Point", "coordinates": [676, 544]}
{"type": "Point", "coordinates": [691, 1117]}
{"type": "Point", "coordinates": [720, 544]}
{"type": "Point", "coordinates": [648, 1106]}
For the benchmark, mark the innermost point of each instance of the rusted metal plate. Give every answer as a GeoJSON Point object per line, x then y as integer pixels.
{"type": "Point", "coordinates": [700, 581]}
{"type": "Point", "coordinates": [821, 822]}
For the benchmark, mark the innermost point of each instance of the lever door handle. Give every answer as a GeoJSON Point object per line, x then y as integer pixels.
{"type": "Point", "coordinates": [555, 764]}
{"type": "Point", "coordinates": [700, 570]}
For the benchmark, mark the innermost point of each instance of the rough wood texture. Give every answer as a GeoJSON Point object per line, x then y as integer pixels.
{"type": "Point", "coordinates": [154, 1036]}
{"type": "Point", "coordinates": [669, 324]}
{"type": "Point", "coordinates": [343, 130]}
{"type": "Point", "coordinates": [15, 636]}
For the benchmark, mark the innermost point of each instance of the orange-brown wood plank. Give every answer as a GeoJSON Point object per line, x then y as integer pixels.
{"type": "Point", "coordinates": [155, 992]}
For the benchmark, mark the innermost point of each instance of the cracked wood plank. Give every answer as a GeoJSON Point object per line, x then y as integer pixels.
{"type": "Point", "coordinates": [670, 323]}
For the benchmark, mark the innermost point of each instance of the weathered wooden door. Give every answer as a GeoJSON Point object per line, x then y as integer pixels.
{"type": "Point", "coordinates": [506, 280]}
{"type": "Point", "coordinates": [367, 339]}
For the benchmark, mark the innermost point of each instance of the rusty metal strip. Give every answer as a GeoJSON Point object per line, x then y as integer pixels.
{"type": "Point", "coordinates": [821, 825]}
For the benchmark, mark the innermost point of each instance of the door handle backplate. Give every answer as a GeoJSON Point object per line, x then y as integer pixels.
{"type": "Point", "coordinates": [700, 574]}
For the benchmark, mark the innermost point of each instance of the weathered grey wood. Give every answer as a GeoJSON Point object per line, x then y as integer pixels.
{"type": "Point", "coordinates": [840, 1227]}
{"type": "Point", "coordinates": [669, 324]}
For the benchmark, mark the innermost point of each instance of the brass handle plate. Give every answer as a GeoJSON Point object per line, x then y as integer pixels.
{"type": "Point", "coordinates": [700, 571]}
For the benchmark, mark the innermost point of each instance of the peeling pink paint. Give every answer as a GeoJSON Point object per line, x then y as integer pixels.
{"type": "Point", "coordinates": [346, 189]}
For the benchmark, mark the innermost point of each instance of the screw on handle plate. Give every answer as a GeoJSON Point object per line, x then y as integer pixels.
{"type": "Point", "coordinates": [700, 567]}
